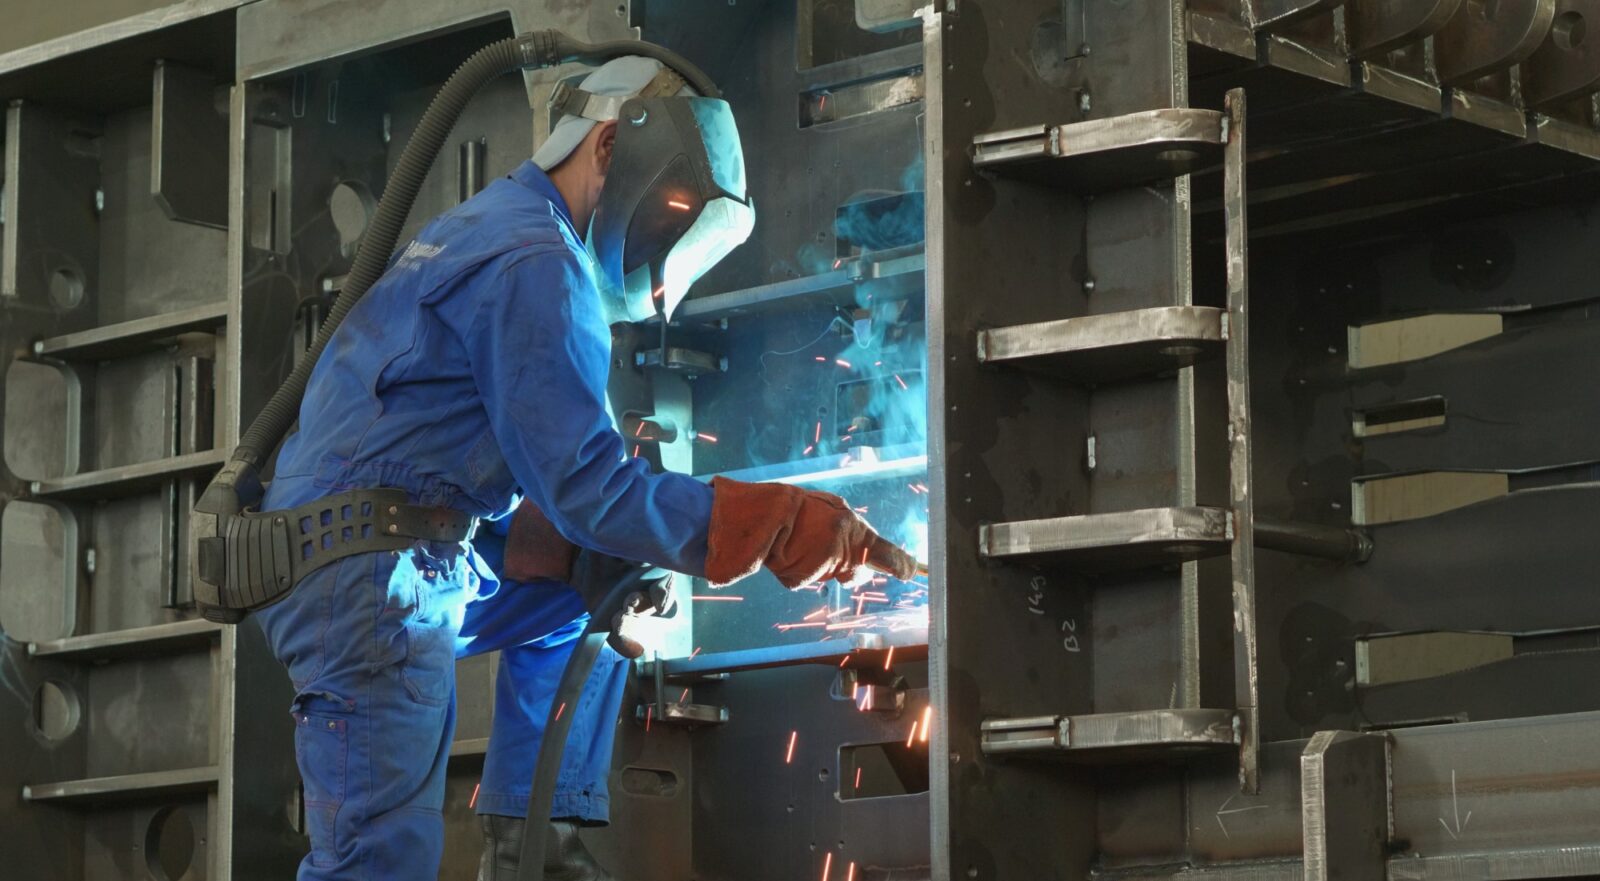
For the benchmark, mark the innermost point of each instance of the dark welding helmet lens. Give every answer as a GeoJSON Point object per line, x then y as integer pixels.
{"type": "Point", "coordinates": [674, 202]}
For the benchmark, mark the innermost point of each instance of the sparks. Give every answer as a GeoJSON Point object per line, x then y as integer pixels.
{"type": "Point", "coordinates": [785, 628]}
{"type": "Point", "coordinates": [858, 789]}
{"type": "Point", "coordinates": [674, 203]}
{"type": "Point", "coordinates": [636, 451]}
{"type": "Point", "coordinates": [807, 450]}
{"type": "Point", "coordinates": [888, 659]}
{"type": "Point", "coordinates": [842, 363]}
{"type": "Point", "coordinates": [693, 653]}
{"type": "Point", "coordinates": [899, 380]}
{"type": "Point", "coordinates": [683, 697]}
{"type": "Point", "coordinates": [648, 710]}
{"type": "Point", "coordinates": [816, 436]}
{"type": "Point", "coordinates": [927, 721]}
{"type": "Point", "coordinates": [821, 358]}
{"type": "Point", "coordinates": [823, 102]}
{"type": "Point", "coordinates": [708, 438]}
{"type": "Point", "coordinates": [827, 865]}
{"type": "Point", "coordinates": [658, 292]}
{"type": "Point", "coordinates": [821, 610]}
{"type": "Point", "coordinates": [851, 875]}
{"type": "Point", "coordinates": [640, 430]}
{"type": "Point", "coordinates": [912, 737]}
{"type": "Point", "coordinates": [862, 509]}
{"type": "Point", "coordinates": [837, 261]}
{"type": "Point", "coordinates": [473, 802]}
{"type": "Point", "coordinates": [788, 757]}
{"type": "Point", "coordinates": [912, 487]}
{"type": "Point", "coordinates": [863, 556]}
{"type": "Point", "coordinates": [843, 661]}
{"type": "Point", "coordinates": [561, 709]}
{"type": "Point", "coordinates": [855, 690]}
{"type": "Point", "coordinates": [706, 599]}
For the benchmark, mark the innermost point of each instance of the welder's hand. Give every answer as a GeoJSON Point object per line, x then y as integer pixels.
{"type": "Point", "coordinates": [645, 592]}
{"type": "Point", "coordinates": [802, 536]}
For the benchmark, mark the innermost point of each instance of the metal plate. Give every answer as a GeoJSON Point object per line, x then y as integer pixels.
{"type": "Point", "coordinates": [1105, 154]}
{"type": "Point", "coordinates": [1109, 347]}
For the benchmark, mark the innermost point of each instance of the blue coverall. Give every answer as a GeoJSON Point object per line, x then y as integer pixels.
{"type": "Point", "coordinates": [475, 366]}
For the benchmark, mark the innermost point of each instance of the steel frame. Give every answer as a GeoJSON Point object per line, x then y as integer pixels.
{"type": "Point", "coordinates": [1149, 578]}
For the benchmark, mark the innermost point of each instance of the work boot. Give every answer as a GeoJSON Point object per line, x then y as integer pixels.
{"type": "Point", "coordinates": [565, 857]}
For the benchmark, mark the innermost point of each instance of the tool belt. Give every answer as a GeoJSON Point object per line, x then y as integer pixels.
{"type": "Point", "coordinates": [260, 557]}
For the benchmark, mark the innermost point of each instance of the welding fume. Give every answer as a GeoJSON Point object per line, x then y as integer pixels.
{"type": "Point", "coordinates": [455, 483]}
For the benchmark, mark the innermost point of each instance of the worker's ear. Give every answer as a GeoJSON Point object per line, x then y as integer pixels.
{"type": "Point", "coordinates": [605, 144]}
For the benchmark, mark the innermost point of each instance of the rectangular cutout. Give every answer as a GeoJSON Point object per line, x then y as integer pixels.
{"type": "Point", "coordinates": [876, 770]}
{"type": "Point", "coordinates": [1410, 496]}
{"type": "Point", "coordinates": [1423, 336]}
{"type": "Point", "coordinates": [1400, 416]}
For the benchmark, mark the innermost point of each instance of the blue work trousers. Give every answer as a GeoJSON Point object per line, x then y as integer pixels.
{"type": "Point", "coordinates": [371, 643]}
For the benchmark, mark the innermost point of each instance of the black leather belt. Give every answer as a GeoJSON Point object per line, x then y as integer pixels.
{"type": "Point", "coordinates": [262, 556]}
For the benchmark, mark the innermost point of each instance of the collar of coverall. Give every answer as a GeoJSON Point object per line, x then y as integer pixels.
{"type": "Point", "coordinates": [534, 178]}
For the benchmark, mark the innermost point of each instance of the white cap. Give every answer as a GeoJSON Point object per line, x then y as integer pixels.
{"type": "Point", "coordinates": [623, 77]}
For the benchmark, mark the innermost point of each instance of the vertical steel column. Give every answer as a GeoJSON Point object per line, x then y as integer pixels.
{"type": "Point", "coordinates": [1245, 684]}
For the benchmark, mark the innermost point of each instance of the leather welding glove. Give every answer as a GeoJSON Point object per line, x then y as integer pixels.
{"type": "Point", "coordinates": [802, 536]}
{"type": "Point", "coordinates": [535, 550]}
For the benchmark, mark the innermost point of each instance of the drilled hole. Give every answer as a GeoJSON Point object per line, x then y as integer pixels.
{"type": "Point", "coordinates": [169, 844]}
{"type": "Point", "coordinates": [1569, 30]}
{"type": "Point", "coordinates": [56, 710]}
{"type": "Point", "coordinates": [66, 288]}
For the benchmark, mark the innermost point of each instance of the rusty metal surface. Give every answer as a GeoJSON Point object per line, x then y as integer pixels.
{"type": "Point", "coordinates": [1567, 64]}
{"type": "Point", "coordinates": [1475, 43]}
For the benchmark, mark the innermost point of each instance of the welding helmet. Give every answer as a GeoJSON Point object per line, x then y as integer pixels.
{"type": "Point", "coordinates": [674, 201]}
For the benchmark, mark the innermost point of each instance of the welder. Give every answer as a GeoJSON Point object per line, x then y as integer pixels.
{"type": "Point", "coordinates": [472, 376]}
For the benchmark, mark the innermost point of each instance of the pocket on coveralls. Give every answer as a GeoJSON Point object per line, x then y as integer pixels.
{"type": "Point", "coordinates": [438, 591]}
{"type": "Point", "coordinates": [320, 749]}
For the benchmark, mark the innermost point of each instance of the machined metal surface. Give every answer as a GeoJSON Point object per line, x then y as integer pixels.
{"type": "Point", "coordinates": [1158, 735]}
{"type": "Point", "coordinates": [1104, 154]}
{"type": "Point", "coordinates": [1345, 805]}
{"type": "Point", "coordinates": [1119, 540]}
{"type": "Point", "coordinates": [1112, 346]}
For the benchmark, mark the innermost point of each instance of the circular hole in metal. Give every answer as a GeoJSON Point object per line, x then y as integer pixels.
{"type": "Point", "coordinates": [56, 711]}
{"type": "Point", "coordinates": [822, 775]}
{"type": "Point", "coordinates": [351, 206]}
{"type": "Point", "coordinates": [66, 288]}
{"type": "Point", "coordinates": [1569, 30]}
{"type": "Point", "coordinates": [1485, 10]}
{"type": "Point", "coordinates": [1178, 156]}
{"type": "Point", "coordinates": [169, 844]}
{"type": "Point", "coordinates": [1180, 350]}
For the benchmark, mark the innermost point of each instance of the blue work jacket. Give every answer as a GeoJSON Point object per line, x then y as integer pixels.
{"type": "Point", "coordinates": [477, 366]}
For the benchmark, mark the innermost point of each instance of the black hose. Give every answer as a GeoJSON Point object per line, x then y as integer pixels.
{"type": "Point", "coordinates": [552, 747]}
{"type": "Point", "coordinates": [420, 152]}
{"type": "Point", "coordinates": [572, 50]}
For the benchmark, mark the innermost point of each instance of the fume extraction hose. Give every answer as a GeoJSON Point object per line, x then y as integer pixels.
{"type": "Point", "coordinates": [538, 49]}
